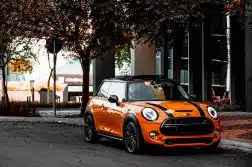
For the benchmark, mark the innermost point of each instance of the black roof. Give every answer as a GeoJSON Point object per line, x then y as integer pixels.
{"type": "Point", "coordinates": [142, 77]}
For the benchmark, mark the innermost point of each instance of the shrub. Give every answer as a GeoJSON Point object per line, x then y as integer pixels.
{"type": "Point", "coordinates": [226, 107]}
{"type": "Point", "coordinates": [28, 109]}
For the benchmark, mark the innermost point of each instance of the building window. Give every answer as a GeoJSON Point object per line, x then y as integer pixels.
{"type": "Point", "coordinates": [219, 73]}
{"type": "Point", "coordinates": [158, 61]}
{"type": "Point", "coordinates": [218, 25]}
{"type": "Point", "coordinates": [184, 71]}
{"type": "Point", "coordinates": [219, 43]}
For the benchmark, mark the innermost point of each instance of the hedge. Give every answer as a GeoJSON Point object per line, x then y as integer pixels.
{"type": "Point", "coordinates": [29, 109]}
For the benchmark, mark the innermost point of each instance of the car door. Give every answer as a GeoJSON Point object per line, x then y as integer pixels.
{"type": "Point", "coordinates": [99, 105]}
{"type": "Point", "coordinates": [115, 113]}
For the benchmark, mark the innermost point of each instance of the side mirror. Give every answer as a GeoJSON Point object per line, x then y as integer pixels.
{"type": "Point", "coordinates": [113, 99]}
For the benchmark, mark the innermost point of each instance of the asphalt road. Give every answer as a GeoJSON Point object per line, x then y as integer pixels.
{"type": "Point", "coordinates": [60, 145]}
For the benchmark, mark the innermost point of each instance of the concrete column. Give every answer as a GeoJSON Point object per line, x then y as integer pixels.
{"type": "Point", "coordinates": [248, 61]}
{"type": "Point", "coordinates": [176, 59]}
{"type": "Point", "coordinates": [143, 58]}
{"type": "Point", "coordinates": [200, 78]}
{"type": "Point", "coordinates": [206, 60]}
{"type": "Point", "coordinates": [238, 60]}
{"type": "Point", "coordinates": [195, 62]}
{"type": "Point", "coordinates": [103, 68]}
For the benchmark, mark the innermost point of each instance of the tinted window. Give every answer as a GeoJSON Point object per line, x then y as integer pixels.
{"type": "Point", "coordinates": [104, 90]}
{"type": "Point", "coordinates": [153, 90]}
{"type": "Point", "coordinates": [118, 89]}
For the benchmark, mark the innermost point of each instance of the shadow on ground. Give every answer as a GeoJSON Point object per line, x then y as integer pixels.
{"type": "Point", "coordinates": [152, 150]}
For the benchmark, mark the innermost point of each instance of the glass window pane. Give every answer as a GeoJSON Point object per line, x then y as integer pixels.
{"type": "Point", "coordinates": [158, 62]}
{"type": "Point", "coordinates": [118, 89]}
{"type": "Point", "coordinates": [219, 73]}
{"type": "Point", "coordinates": [104, 90]}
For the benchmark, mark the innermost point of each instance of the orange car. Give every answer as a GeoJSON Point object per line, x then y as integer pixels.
{"type": "Point", "coordinates": [150, 109]}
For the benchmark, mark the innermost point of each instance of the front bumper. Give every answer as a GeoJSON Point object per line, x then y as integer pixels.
{"type": "Point", "coordinates": [152, 135]}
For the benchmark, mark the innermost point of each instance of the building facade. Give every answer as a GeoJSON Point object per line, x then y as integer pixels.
{"type": "Point", "coordinates": [215, 61]}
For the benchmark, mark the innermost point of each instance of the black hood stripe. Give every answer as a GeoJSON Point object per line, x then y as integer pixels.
{"type": "Point", "coordinates": [158, 106]}
{"type": "Point", "coordinates": [170, 115]}
{"type": "Point", "coordinates": [202, 113]}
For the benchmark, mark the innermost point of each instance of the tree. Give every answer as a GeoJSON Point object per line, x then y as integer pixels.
{"type": "Point", "coordinates": [18, 58]}
{"type": "Point", "coordinates": [86, 28]}
{"type": "Point", "coordinates": [122, 56]}
{"type": "Point", "coordinates": [13, 49]}
{"type": "Point", "coordinates": [20, 65]}
{"type": "Point", "coordinates": [151, 20]}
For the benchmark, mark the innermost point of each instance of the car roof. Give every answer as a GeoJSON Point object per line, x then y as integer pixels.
{"type": "Point", "coordinates": [140, 78]}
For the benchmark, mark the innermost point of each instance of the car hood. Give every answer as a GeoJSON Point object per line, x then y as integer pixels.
{"type": "Point", "coordinates": [175, 108]}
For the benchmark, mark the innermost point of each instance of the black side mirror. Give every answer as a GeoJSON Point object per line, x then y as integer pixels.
{"type": "Point", "coordinates": [113, 99]}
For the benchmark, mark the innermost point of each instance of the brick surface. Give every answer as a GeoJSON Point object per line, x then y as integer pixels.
{"type": "Point", "coordinates": [237, 126]}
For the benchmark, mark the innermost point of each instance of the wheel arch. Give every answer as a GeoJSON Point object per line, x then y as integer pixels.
{"type": "Point", "coordinates": [88, 111]}
{"type": "Point", "coordinates": [132, 118]}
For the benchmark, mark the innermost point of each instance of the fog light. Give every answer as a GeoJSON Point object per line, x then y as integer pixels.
{"type": "Point", "coordinates": [216, 133]}
{"type": "Point", "coordinates": [153, 134]}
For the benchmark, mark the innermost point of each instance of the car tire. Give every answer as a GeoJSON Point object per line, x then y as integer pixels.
{"type": "Point", "coordinates": [90, 135]}
{"type": "Point", "coordinates": [132, 138]}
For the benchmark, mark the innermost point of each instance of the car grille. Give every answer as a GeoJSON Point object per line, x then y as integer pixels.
{"type": "Point", "coordinates": [205, 140]}
{"type": "Point", "coordinates": [186, 126]}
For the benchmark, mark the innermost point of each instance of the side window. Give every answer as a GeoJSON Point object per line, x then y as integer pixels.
{"type": "Point", "coordinates": [118, 89]}
{"type": "Point", "coordinates": [103, 91]}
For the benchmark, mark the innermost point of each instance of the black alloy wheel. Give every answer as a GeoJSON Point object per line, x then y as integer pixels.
{"type": "Point", "coordinates": [89, 129]}
{"type": "Point", "coordinates": [131, 138]}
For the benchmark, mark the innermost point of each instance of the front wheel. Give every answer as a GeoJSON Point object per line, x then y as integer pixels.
{"type": "Point", "coordinates": [89, 129]}
{"type": "Point", "coordinates": [132, 138]}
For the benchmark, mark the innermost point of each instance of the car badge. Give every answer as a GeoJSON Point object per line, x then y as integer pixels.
{"type": "Point", "coordinates": [187, 114]}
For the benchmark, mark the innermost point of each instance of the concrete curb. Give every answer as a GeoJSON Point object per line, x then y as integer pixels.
{"type": "Point", "coordinates": [225, 144]}
{"type": "Point", "coordinates": [232, 144]}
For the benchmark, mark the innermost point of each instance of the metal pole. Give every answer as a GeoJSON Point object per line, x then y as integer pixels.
{"type": "Point", "coordinates": [54, 79]}
{"type": "Point", "coordinates": [228, 79]}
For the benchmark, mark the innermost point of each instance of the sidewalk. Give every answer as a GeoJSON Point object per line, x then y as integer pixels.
{"type": "Point", "coordinates": [70, 112]}
{"type": "Point", "coordinates": [237, 129]}
{"type": "Point", "coordinates": [237, 126]}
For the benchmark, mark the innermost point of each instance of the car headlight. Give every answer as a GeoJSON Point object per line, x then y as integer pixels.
{"type": "Point", "coordinates": [149, 114]}
{"type": "Point", "coordinates": [212, 112]}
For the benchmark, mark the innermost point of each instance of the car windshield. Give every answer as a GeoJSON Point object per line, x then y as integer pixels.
{"type": "Point", "coordinates": [156, 91]}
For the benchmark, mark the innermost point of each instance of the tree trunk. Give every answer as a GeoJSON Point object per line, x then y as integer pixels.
{"type": "Point", "coordinates": [48, 86]}
{"type": "Point", "coordinates": [5, 90]}
{"type": "Point", "coordinates": [85, 64]}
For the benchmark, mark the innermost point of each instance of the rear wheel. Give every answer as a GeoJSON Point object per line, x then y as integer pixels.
{"type": "Point", "coordinates": [132, 138]}
{"type": "Point", "coordinates": [89, 129]}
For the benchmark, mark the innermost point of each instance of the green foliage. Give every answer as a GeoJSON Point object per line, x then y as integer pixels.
{"type": "Point", "coordinates": [226, 107]}
{"type": "Point", "coordinates": [122, 56]}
